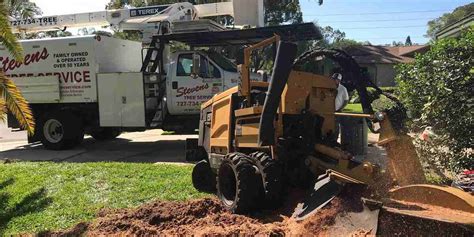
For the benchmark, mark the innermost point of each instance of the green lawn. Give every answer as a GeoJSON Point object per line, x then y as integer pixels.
{"type": "Point", "coordinates": [36, 197]}
{"type": "Point", "coordinates": [353, 108]}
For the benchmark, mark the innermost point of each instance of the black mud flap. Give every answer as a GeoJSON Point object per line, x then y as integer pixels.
{"type": "Point", "coordinates": [193, 151]}
{"type": "Point", "coordinates": [285, 57]}
{"type": "Point", "coordinates": [325, 190]}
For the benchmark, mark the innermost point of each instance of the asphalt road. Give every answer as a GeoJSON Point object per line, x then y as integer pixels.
{"type": "Point", "coordinates": [149, 146]}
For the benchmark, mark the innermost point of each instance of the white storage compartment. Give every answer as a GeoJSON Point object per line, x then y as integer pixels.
{"type": "Point", "coordinates": [121, 100]}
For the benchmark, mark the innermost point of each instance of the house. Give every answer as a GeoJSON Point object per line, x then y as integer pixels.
{"type": "Point", "coordinates": [379, 61]}
{"type": "Point", "coordinates": [455, 29]}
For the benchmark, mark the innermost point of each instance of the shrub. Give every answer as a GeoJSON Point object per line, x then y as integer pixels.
{"type": "Point", "coordinates": [437, 89]}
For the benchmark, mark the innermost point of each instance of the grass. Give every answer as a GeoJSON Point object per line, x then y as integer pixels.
{"type": "Point", "coordinates": [353, 108]}
{"type": "Point", "coordinates": [37, 197]}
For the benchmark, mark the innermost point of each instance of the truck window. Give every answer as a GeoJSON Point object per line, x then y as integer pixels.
{"type": "Point", "coordinates": [208, 69]}
{"type": "Point", "coordinates": [185, 64]}
{"type": "Point", "coordinates": [214, 71]}
{"type": "Point", "coordinates": [223, 62]}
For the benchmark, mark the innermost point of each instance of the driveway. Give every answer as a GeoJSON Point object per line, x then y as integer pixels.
{"type": "Point", "coordinates": [149, 146]}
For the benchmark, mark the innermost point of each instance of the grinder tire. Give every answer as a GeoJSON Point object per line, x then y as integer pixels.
{"type": "Point", "coordinates": [238, 183]}
{"type": "Point", "coordinates": [204, 179]}
{"type": "Point", "coordinates": [271, 178]}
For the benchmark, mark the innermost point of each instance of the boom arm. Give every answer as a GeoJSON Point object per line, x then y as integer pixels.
{"type": "Point", "coordinates": [117, 19]}
{"type": "Point", "coordinates": [142, 19]}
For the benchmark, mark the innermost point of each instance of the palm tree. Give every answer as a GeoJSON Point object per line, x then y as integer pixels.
{"type": "Point", "coordinates": [10, 95]}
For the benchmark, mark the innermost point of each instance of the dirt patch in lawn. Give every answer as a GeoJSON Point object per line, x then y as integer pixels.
{"type": "Point", "coordinates": [204, 217]}
{"type": "Point", "coordinates": [207, 217]}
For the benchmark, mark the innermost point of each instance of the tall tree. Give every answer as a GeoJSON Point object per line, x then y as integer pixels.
{"type": "Point", "coordinates": [286, 11]}
{"type": "Point", "coordinates": [408, 41]}
{"type": "Point", "coordinates": [10, 96]}
{"type": "Point", "coordinates": [334, 38]}
{"type": "Point", "coordinates": [439, 23]}
{"type": "Point", "coordinates": [22, 9]}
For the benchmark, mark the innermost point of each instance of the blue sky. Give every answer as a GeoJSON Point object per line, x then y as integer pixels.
{"type": "Point", "coordinates": [355, 17]}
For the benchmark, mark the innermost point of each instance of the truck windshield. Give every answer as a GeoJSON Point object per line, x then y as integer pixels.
{"type": "Point", "coordinates": [223, 62]}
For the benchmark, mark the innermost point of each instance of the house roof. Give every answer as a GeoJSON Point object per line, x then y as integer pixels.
{"type": "Point", "coordinates": [367, 54]}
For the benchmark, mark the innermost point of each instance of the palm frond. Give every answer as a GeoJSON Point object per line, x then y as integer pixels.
{"type": "Point", "coordinates": [16, 104]}
{"type": "Point", "coordinates": [7, 38]}
{"type": "Point", "coordinates": [23, 9]}
{"type": "Point", "coordinates": [3, 110]}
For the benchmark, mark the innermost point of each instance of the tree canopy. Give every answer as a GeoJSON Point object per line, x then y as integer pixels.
{"type": "Point", "coordinates": [22, 9]}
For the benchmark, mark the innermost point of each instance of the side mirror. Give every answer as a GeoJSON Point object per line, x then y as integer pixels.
{"type": "Point", "coordinates": [196, 65]}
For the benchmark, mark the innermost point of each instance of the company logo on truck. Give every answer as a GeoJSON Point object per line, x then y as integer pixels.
{"type": "Point", "coordinates": [63, 62]}
{"type": "Point", "coordinates": [9, 64]}
{"type": "Point", "coordinates": [182, 91]}
{"type": "Point", "coordinates": [147, 11]}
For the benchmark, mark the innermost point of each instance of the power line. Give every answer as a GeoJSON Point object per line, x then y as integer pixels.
{"type": "Point", "coordinates": [390, 38]}
{"type": "Point", "coordinates": [381, 27]}
{"type": "Point", "coordinates": [379, 20]}
{"type": "Point", "coordinates": [376, 13]}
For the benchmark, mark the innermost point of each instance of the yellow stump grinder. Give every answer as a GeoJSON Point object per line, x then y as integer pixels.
{"type": "Point", "coordinates": [262, 137]}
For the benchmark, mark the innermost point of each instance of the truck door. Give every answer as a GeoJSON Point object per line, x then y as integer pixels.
{"type": "Point", "coordinates": [189, 91]}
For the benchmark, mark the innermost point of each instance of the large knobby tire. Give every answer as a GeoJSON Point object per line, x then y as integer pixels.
{"type": "Point", "coordinates": [271, 177]}
{"type": "Point", "coordinates": [103, 134]}
{"type": "Point", "coordinates": [204, 180]}
{"type": "Point", "coordinates": [60, 130]}
{"type": "Point", "coordinates": [238, 183]}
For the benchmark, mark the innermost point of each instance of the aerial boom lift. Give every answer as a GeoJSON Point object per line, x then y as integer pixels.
{"type": "Point", "coordinates": [148, 20]}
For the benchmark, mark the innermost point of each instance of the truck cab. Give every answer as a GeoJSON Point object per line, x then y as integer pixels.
{"type": "Point", "coordinates": [192, 78]}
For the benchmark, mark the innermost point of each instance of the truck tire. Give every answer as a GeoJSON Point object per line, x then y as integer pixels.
{"type": "Point", "coordinates": [60, 130]}
{"type": "Point", "coordinates": [238, 183]}
{"type": "Point", "coordinates": [103, 134]}
{"type": "Point", "coordinates": [204, 180]}
{"type": "Point", "coordinates": [271, 178]}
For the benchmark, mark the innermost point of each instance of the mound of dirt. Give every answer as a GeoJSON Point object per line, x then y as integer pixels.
{"type": "Point", "coordinates": [204, 217]}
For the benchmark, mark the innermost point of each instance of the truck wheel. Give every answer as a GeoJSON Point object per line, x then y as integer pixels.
{"type": "Point", "coordinates": [238, 183]}
{"type": "Point", "coordinates": [204, 179]}
{"type": "Point", "coordinates": [271, 178]}
{"type": "Point", "coordinates": [60, 130]}
{"type": "Point", "coordinates": [103, 134]}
